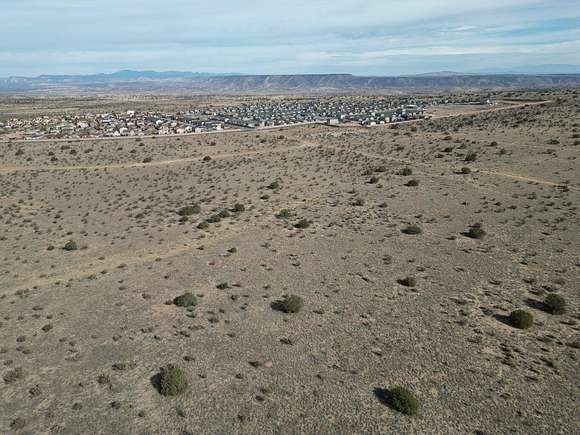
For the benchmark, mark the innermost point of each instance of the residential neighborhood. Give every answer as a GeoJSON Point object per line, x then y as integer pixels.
{"type": "Point", "coordinates": [262, 113]}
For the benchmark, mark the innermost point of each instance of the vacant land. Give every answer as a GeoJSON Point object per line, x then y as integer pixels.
{"type": "Point", "coordinates": [289, 281]}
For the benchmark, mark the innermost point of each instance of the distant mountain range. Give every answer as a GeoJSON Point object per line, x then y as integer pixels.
{"type": "Point", "coordinates": [128, 81]}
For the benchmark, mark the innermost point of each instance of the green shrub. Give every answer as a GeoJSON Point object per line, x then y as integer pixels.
{"type": "Point", "coordinates": [71, 245]}
{"type": "Point", "coordinates": [147, 160]}
{"type": "Point", "coordinates": [408, 281]}
{"type": "Point", "coordinates": [471, 157]}
{"type": "Point", "coordinates": [406, 171]}
{"type": "Point", "coordinates": [274, 185]}
{"type": "Point", "coordinates": [403, 400]}
{"type": "Point", "coordinates": [224, 213]}
{"type": "Point", "coordinates": [412, 230]}
{"type": "Point", "coordinates": [554, 304]}
{"type": "Point", "coordinates": [14, 375]}
{"type": "Point", "coordinates": [465, 170]}
{"type": "Point", "coordinates": [238, 208]}
{"type": "Point", "coordinates": [189, 210]}
{"type": "Point", "coordinates": [172, 381]}
{"type": "Point", "coordinates": [284, 214]}
{"type": "Point", "coordinates": [359, 202]}
{"type": "Point", "coordinates": [521, 319]}
{"type": "Point", "coordinates": [374, 180]}
{"type": "Point", "coordinates": [412, 183]}
{"type": "Point", "coordinates": [302, 223]}
{"type": "Point", "coordinates": [292, 304]}
{"type": "Point", "coordinates": [203, 225]}
{"type": "Point", "coordinates": [475, 231]}
{"type": "Point", "coordinates": [206, 159]}
{"type": "Point", "coordinates": [185, 300]}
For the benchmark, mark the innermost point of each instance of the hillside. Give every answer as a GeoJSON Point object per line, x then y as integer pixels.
{"type": "Point", "coordinates": [203, 83]}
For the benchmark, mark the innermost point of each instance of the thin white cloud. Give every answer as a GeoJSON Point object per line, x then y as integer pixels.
{"type": "Point", "coordinates": [259, 35]}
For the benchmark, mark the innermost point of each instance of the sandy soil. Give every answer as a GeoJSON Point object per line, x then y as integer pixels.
{"type": "Point", "coordinates": [83, 333]}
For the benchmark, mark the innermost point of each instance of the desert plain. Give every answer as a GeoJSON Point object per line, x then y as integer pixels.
{"type": "Point", "coordinates": [370, 227]}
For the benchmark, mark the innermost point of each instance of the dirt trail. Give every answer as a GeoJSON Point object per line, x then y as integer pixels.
{"type": "Point", "coordinates": [523, 178]}
{"type": "Point", "coordinates": [134, 259]}
{"type": "Point", "coordinates": [130, 165]}
{"type": "Point", "coordinates": [127, 165]}
{"type": "Point", "coordinates": [493, 109]}
{"type": "Point", "coordinates": [143, 256]}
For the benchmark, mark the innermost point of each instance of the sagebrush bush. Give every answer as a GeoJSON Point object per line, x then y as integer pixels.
{"type": "Point", "coordinates": [554, 304]}
{"type": "Point", "coordinates": [471, 157]}
{"type": "Point", "coordinates": [284, 214]}
{"type": "Point", "coordinates": [403, 400]}
{"type": "Point", "coordinates": [302, 223]}
{"type": "Point", "coordinates": [189, 210]}
{"type": "Point", "coordinates": [71, 245]}
{"type": "Point", "coordinates": [412, 230]}
{"type": "Point", "coordinates": [475, 231]}
{"type": "Point", "coordinates": [408, 281]}
{"type": "Point", "coordinates": [185, 300]}
{"type": "Point", "coordinates": [292, 304]}
{"type": "Point", "coordinates": [521, 319]}
{"type": "Point", "coordinates": [172, 381]}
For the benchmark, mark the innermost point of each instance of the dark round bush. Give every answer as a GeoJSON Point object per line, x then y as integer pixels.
{"type": "Point", "coordinates": [403, 400]}
{"type": "Point", "coordinates": [302, 223]}
{"type": "Point", "coordinates": [475, 231]}
{"type": "Point", "coordinates": [554, 304]}
{"type": "Point", "coordinates": [292, 304]}
{"type": "Point", "coordinates": [412, 183]}
{"type": "Point", "coordinates": [172, 381]}
{"type": "Point", "coordinates": [521, 319]}
{"type": "Point", "coordinates": [71, 245]}
{"type": "Point", "coordinates": [189, 210]}
{"type": "Point", "coordinates": [408, 281]}
{"type": "Point", "coordinates": [471, 157]}
{"type": "Point", "coordinates": [412, 229]}
{"type": "Point", "coordinates": [185, 300]}
{"type": "Point", "coordinates": [238, 208]}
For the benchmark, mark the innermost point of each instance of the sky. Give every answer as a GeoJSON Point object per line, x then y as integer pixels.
{"type": "Point", "coordinates": [371, 37]}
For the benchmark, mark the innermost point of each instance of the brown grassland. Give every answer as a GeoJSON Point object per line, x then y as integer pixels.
{"type": "Point", "coordinates": [408, 248]}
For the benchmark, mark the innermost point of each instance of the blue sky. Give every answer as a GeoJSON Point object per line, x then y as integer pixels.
{"type": "Point", "coordinates": [373, 37]}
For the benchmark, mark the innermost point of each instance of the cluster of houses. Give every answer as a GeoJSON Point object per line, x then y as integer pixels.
{"type": "Point", "coordinates": [129, 123]}
{"type": "Point", "coordinates": [262, 113]}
